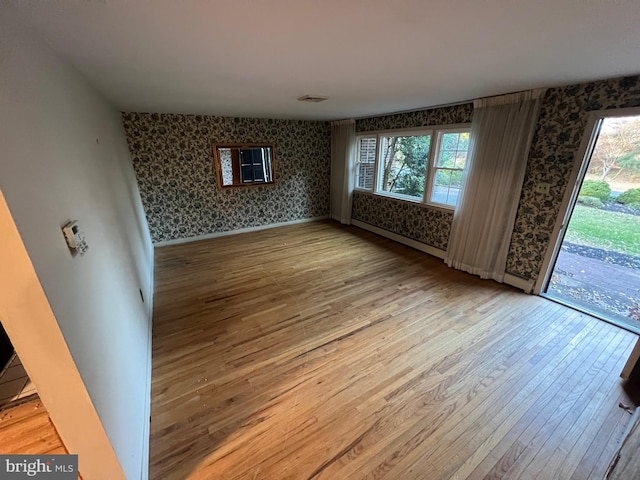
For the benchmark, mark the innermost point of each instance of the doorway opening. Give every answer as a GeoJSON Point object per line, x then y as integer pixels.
{"type": "Point", "coordinates": [15, 385]}
{"type": "Point", "coordinates": [597, 260]}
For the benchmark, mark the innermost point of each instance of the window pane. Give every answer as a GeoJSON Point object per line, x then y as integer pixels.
{"type": "Point", "coordinates": [451, 147]}
{"type": "Point", "coordinates": [446, 187]}
{"type": "Point", "coordinates": [450, 141]}
{"type": "Point", "coordinates": [365, 162]}
{"type": "Point", "coordinates": [450, 162]}
{"type": "Point", "coordinates": [447, 158]}
{"type": "Point", "coordinates": [404, 164]}
{"type": "Point", "coordinates": [441, 183]}
{"type": "Point", "coordinates": [464, 141]}
{"type": "Point", "coordinates": [461, 158]}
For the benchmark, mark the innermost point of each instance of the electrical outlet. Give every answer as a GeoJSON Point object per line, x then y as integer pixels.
{"type": "Point", "coordinates": [542, 187]}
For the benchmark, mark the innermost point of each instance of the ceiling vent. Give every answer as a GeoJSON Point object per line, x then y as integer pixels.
{"type": "Point", "coordinates": [311, 98]}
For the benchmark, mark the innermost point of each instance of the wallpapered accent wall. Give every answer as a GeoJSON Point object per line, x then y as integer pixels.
{"type": "Point", "coordinates": [173, 160]}
{"type": "Point", "coordinates": [420, 118]}
{"type": "Point", "coordinates": [409, 219]}
{"type": "Point", "coordinates": [561, 124]}
{"type": "Point", "coordinates": [557, 137]}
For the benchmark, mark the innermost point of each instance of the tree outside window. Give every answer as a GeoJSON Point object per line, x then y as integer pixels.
{"type": "Point", "coordinates": [404, 164]}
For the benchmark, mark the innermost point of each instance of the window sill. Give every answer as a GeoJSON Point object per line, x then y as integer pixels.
{"type": "Point", "coordinates": [431, 206]}
{"type": "Point", "coordinates": [406, 198]}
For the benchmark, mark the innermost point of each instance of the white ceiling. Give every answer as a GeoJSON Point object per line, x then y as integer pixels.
{"type": "Point", "coordinates": [255, 57]}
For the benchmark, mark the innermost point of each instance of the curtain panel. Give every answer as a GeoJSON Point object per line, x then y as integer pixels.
{"type": "Point", "coordinates": [343, 146]}
{"type": "Point", "coordinates": [501, 133]}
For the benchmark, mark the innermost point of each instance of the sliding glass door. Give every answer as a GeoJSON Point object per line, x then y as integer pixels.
{"type": "Point", "coordinates": [597, 261]}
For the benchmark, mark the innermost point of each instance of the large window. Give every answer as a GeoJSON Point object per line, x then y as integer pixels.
{"type": "Point", "coordinates": [421, 166]}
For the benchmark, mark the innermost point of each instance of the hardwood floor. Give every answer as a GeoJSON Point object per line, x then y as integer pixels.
{"type": "Point", "coordinates": [27, 429]}
{"type": "Point", "coordinates": [325, 352]}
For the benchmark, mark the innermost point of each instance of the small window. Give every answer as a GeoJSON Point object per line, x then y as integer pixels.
{"type": "Point", "coordinates": [404, 164]}
{"type": "Point", "coordinates": [450, 161]}
{"type": "Point", "coordinates": [366, 162]}
{"type": "Point", "coordinates": [244, 165]}
{"type": "Point", "coordinates": [254, 165]}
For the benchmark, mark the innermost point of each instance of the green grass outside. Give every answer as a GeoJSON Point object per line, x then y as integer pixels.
{"type": "Point", "coordinates": [613, 231]}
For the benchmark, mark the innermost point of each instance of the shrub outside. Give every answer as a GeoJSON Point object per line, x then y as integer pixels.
{"type": "Point", "coordinates": [630, 196]}
{"type": "Point", "coordinates": [595, 188]}
{"type": "Point", "coordinates": [593, 202]}
{"type": "Point", "coordinates": [635, 206]}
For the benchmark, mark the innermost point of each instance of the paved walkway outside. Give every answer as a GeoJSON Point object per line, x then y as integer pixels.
{"type": "Point", "coordinates": [597, 284]}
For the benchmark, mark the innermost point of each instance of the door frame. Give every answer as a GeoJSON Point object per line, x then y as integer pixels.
{"type": "Point", "coordinates": [578, 172]}
{"type": "Point", "coordinates": [37, 339]}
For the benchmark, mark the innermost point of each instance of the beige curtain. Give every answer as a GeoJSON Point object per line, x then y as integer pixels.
{"type": "Point", "coordinates": [501, 133]}
{"type": "Point", "coordinates": [343, 144]}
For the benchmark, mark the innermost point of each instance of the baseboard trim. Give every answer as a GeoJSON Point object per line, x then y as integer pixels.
{"type": "Point", "coordinates": [208, 236]}
{"type": "Point", "coordinates": [146, 434]}
{"type": "Point", "coordinates": [436, 252]}
{"type": "Point", "coordinates": [149, 299]}
{"type": "Point", "coordinates": [522, 283]}
{"type": "Point", "coordinates": [513, 280]}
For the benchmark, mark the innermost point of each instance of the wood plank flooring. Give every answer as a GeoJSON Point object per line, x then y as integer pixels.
{"type": "Point", "coordinates": [318, 351]}
{"type": "Point", "coordinates": [27, 429]}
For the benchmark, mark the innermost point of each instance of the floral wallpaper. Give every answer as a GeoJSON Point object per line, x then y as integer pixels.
{"type": "Point", "coordinates": [173, 160]}
{"type": "Point", "coordinates": [419, 118]}
{"type": "Point", "coordinates": [413, 220]}
{"type": "Point", "coordinates": [558, 134]}
{"type": "Point", "coordinates": [561, 124]}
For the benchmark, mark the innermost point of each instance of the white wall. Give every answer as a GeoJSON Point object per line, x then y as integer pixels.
{"type": "Point", "coordinates": [35, 333]}
{"type": "Point", "coordinates": [63, 156]}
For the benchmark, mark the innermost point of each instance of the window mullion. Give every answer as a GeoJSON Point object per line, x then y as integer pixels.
{"type": "Point", "coordinates": [356, 164]}
{"type": "Point", "coordinates": [376, 166]}
{"type": "Point", "coordinates": [431, 165]}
